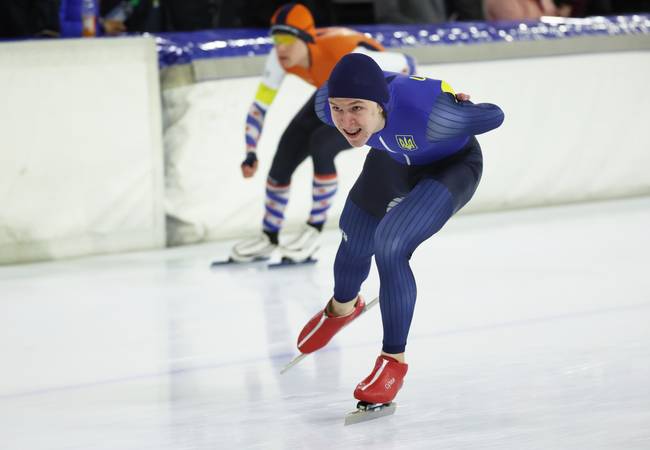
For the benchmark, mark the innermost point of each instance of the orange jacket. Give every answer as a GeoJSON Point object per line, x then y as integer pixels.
{"type": "Point", "coordinates": [330, 45]}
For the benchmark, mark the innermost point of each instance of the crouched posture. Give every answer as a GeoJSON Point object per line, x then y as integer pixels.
{"type": "Point", "coordinates": [423, 166]}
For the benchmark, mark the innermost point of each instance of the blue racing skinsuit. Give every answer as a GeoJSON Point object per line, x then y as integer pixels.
{"type": "Point", "coordinates": [423, 166]}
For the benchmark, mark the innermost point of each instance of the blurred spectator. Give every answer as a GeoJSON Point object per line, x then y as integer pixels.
{"type": "Point", "coordinates": [190, 15]}
{"type": "Point", "coordinates": [427, 11]}
{"type": "Point", "coordinates": [410, 11]}
{"type": "Point", "coordinates": [349, 12]}
{"type": "Point", "coordinates": [76, 17]}
{"type": "Point", "coordinates": [23, 18]}
{"type": "Point", "coordinates": [111, 17]}
{"type": "Point", "coordinates": [534, 9]}
{"type": "Point", "coordinates": [520, 9]}
{"type": "Point", "coordinates": [584, 8]}
{"type": "Point", "coordinates": [463, 10]}
{"type": "Point", "coordinates": [630, 6]}
{"type": "Point", "coordinates": [257, 13]}
{"type": "Point", "coordinates": [119, 16]}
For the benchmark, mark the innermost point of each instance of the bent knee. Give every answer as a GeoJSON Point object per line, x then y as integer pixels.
{"type": "Point", "coordinates": [390, 248]}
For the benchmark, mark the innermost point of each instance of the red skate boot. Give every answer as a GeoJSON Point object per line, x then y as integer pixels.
{"type": "Point", "coordinates": [323, 326]}
{"type": "Point", "coordinates": [377, 391]}
{"type": "Point", "coordinates": [383, 383]}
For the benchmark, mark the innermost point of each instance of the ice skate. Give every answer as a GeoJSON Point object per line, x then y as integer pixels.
{"type": "Point", "coordinates": [322, 327]}
{"type": "Point", "coordinates": [378, 390]}
{"type": "Point", "coordinates": [303, 246]}
{"type": "Point", "coordinates": [255, 249]}
{"type": "Point", "coordinates": [287, 262]}
{"type": "Point", "coordinates": [368, 411]}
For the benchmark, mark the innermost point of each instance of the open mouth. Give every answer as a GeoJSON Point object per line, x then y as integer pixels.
{"type": "Point", "coordinates": [352, 133]}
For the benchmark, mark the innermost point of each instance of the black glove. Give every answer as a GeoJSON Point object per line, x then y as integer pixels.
{"type": "Point", "coordinates": [251, 159]}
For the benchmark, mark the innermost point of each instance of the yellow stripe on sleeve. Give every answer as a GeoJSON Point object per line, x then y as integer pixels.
{"type": "Point", "coordinates": [446, 88]}
{"type": "Point", "coordinates": [265, 94]}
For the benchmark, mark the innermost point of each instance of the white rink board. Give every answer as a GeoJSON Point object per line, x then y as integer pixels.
{"type": "Point", "coordinates": [81, 176]}
{"type": "Point", "coordinates": [81, 156]}
{"type": "Point", "coordinates": [574, 131]}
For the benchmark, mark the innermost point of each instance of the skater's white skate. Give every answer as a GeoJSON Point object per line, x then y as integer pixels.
{"type": "Point", "coordinates": [303, 246]}
{"type": "Point", "coordinates": [258, 248]}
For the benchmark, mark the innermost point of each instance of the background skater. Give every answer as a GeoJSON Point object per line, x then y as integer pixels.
{"type": "Point", "coordinates": [309, 53]}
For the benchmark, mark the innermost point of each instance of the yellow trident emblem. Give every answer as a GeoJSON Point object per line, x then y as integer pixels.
{"type": "Point", "coordinates": [406, 142]}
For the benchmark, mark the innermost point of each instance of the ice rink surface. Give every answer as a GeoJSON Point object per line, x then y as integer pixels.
{"type": "Point", "coordinates": [531, 331]}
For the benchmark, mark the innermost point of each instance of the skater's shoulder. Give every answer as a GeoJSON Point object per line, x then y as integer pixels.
{"type": "Point", "coordinates": [411, 95]}
{"type": "Point", "coordinates": [338, 37]}
{"type": "Point", "coordinates": [325, 34]}
{"type": "Point", "coordinates": [415, 89]}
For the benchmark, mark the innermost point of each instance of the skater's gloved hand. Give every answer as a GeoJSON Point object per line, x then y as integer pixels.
{"type": "Point", "coordinates": [462, 97]}
{"type": "Point", "coordinates": [249, 166]}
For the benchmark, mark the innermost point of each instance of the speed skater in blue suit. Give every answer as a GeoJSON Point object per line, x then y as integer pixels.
{"type": "Point", "coordinates": [423, 166]}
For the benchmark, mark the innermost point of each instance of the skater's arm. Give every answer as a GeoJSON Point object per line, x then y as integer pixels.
{"type": "Point", "coordinates": [451, 119]}
{"type": "Point", "coordinates": [254, 125]}
{"type": "Point", "coordinates": [268, 88]}
{"type": "Point", "coordinates": [266, 92]}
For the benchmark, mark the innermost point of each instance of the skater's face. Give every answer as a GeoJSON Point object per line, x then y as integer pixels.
{"type": "Point", "coordinates": [356, 119]}
{"type": "Point", "coordinates": [291, 50]}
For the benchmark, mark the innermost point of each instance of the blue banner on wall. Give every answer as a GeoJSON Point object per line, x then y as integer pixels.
{"type": "Point", "coordinates": [182, 48]}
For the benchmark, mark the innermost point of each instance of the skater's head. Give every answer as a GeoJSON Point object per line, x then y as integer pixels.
{"type": "Point", "coordinates": [294, 19]}
{"type": "Point", "coordinates": [358, 95]}
{"type": "Point", "coordinates": [292, 28]}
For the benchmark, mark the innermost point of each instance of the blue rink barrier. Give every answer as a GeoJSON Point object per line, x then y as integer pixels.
{"type": "Point", "coordinates": [184, 48]}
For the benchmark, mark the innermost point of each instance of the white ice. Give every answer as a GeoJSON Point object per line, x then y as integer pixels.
{"type": "Point", "coordinates": [531, 331]}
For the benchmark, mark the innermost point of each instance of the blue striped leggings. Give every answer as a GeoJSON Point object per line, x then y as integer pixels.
{"type": "Point", "coordinates": [389, 212]}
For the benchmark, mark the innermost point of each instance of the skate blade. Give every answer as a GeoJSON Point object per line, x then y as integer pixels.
{"type": "Point", "coordinates": [232, 262]}
{"type": "Point", "coordinates": [287, 262]}
{"type": "Point", "coordinates": [371, 304]}
{"type": "Point", "coordinates": [364, 415]}
{"type": "Point", "coordinates": [293, 362]}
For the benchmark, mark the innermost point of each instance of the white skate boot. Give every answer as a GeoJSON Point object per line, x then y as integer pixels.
{"type": "Point", "coordinates": [255, 249]}
{"type": "Point", "coordinates": [303, 246]}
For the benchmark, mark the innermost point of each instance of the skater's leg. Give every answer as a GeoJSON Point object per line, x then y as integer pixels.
{"type": "Point", "coordinates": [275, 203]}
{"type": "Point", "coordinates": [293, 149]}
{"type": "Point", "coordinates": [413, 220]}
{"type": "Point", "coordinates": [364, 208]}
{"type": "Point", "coordinates": [324, 187]}
{"type": "Point", "coordinates": [354, 255]}
{"type": "Point", "coordinates": [381, 180]}
{"type": "Point", "coordinates": [351, 268]}
{"type": "Point", "coordinates": [444, 190]}
{"type": "Point", "coordinates": [276, 199]}
{"type": "Point", "coordinates": [325, 143]}
{"type": "Point", "coordinates": [416, 217]}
